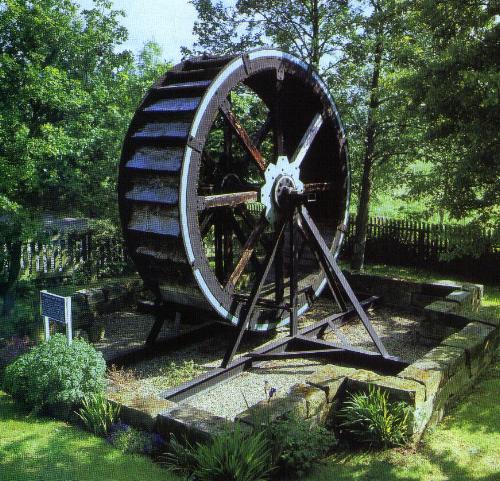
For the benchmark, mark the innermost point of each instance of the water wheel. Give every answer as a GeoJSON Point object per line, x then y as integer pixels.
{"type": "Point", "coordinates": [210, 151]}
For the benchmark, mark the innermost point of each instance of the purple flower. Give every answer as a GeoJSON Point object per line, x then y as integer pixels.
{"type": "Point", "coordinates": [272, 392]}
{"type": "Point", "coordinates": [158, 440]}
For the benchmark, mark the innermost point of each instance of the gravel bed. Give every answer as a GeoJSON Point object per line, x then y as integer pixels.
{"type": "Point", "coordinates": [397, 329]}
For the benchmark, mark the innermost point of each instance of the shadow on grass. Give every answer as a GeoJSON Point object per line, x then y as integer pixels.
{"type": "Point", "coordinates": [47, 450]}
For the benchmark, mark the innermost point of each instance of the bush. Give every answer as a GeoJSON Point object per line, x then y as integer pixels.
{"type": "Point", "coordinates": [13, 348]}
{"type": "Point", "coordinates": [371, 418]}
{"type": "Point", "coordinates": [130, 440]}
{"type": "Point", "coordinates": [56, 375]}
{"type": "Point", "coordinates": [231, 456]}
{"type": "Point", "coordinates": [297, 444]}
{"type": "Point", "coordinates": [98, 414]}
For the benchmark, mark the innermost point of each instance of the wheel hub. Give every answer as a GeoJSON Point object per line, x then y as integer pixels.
{"type": "Point", "coordinates": [278, 177]}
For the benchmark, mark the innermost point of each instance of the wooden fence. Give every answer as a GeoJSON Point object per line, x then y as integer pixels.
{"type": "Point", "coordinates": [65, 256]}
{"type": "Point", "coordinates": [445, 248]}
{"type": "Point", "coordinates": [466, 250]}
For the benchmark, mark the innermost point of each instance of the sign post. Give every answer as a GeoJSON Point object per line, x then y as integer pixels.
{"type": "Point", "coordinates": [57, 308]}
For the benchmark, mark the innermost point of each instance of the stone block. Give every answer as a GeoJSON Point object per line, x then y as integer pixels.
{"type": "Point", "coordinates": [316, 401]}
{"type": "Point", "coordinates": [440, 288]}
{"type": "Point", "coordinates": [490, 317]}
{"type": "Point", "coordinates": [477, 291]}
{"type": "Point", "coordinates": [435, 368]}
{"type": "Point", "coordinates": [422, 300]}
{"type": "Point", "coordinates": [333, 388]}
{"type": "Point", "coordinates": [82, 314]}
{"type": "Point", "coordinates": [438, 311]}
{"type": "Point", "coordinates": [265, 411]}
{"type": "Point", "coordinates": [431, 333]}
{"type": "Point", "coordinates": [116, 296]}
{"type": "Point", "coordinates": [462, 298]}
{"type": "Point", "coordinates": [398, 388]}
{"type": "Point", "coordinates": [479, 342]}
{"type": "Point", "coordinates": [139, 411]}
{"type": "Point", "coordinates": [95, 297]}
{"type": "Point", "coordinates": [185, 421]}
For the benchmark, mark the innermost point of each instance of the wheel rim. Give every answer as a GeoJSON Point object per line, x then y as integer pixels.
{"type": "Point", "coordinates": [270, 74]}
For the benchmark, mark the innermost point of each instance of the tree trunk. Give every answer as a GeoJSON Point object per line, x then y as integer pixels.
{"type": "Point", "coordinates": [315, 35]}
{"type": "Point", "coordinates": [358, 256]}
{"type": "Point", "coordinates": [7, 289]}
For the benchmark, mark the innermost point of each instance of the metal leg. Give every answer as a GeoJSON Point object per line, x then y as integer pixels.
{"type": "Point", "coordinates": [334, 274]}
{"type": "Point", "coordinates": [158, 324]}
{"type": "Point", "coordinates": [249, 308]}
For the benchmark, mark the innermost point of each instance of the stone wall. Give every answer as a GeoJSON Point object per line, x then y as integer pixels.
{"type": "Point", "coordinates": [88, 305]}
{"type": "Point", "coordinates": [467, 344]}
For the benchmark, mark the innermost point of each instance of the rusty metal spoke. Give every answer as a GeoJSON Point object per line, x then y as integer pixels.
{"type": "Point", "coordinates": [248, 250]}
{"type": "Point", "coordinates": [314, 187]}
{"type": "Point", "coordinates": [206, 223]}
{"type": "Point", "coordinates": [243, 136]}
{"type": "Point", "coordinates": [226, 200]}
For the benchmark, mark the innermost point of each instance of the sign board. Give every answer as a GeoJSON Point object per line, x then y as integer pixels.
{"type": "Point", "coordinates": [58, 309]}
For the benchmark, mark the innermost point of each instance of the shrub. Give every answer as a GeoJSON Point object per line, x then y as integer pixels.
{"type": "Point", "coordinates": [98, 414]}
{"type": "Point", "coordinates": [13, 348]}
{"type": "Point", "coordinates": [56, 375]}
{"type": "Point", "coordinates": [369, 417]}
{"type": "Point", "coordinates": [231, 456]}
{"type": "Point", "coordinates": [130, 440]}
{"type": "Point", "coordinates": [297, 444]}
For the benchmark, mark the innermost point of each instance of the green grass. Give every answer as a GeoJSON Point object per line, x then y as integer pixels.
{"type": "Point", "coordinates": [465, 446]}
{"type": "Point", "coordinates": [42, 449]}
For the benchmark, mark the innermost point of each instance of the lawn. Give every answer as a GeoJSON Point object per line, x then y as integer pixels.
{"type": "Point", "coordinates": [41, 449]}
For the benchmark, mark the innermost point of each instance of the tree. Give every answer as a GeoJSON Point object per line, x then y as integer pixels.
{"type": "Point", "coordinates": [66, 98]}
{"type": "Point", "coordinates": [314, 30]}
{"type": "Point", "coordinates": [455, 88]}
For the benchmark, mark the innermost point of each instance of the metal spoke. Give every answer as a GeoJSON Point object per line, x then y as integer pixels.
{"type": "Point", "coordinates": [307, 140]}
{"type": "Point", "coordinates": [241, 238]}
{"type": "Point", "coordinates": [243, 136]}
{"type": "Point", "coordinates": [206, 223]}
{"type": "Point", "coordinates": [314, 187]}
{"type": "Point", "coordinates": [248, 250]}
{"type": "Point", "coordinates": [279, 141]}
{"type": "Point", "coordinates": [264, 129]}
{"type": "Point", "coordinates": [226, 200]}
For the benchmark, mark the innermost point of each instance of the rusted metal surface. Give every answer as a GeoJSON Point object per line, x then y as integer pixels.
{"type": "Point", "coordinates": [226, 200]}
{"type": "Point", "coordinates": [243, 136]}
{"type": "Point", "coordinates": [248, 250]}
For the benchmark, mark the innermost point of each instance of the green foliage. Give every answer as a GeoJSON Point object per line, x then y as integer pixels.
{"type": "Point", "coordinates": [454, 87]}
{"type": "Point", "coordinates": [56, 374]}
{"type": "Point", "coordinates": [369, 417]}
{"type": "Point", "coordinates": [176, 373]}
{"type": "Point", "coordinates": [231, 456]}
{"type": "Point", "coordinates": [181, 457]}
{"type": "Point", "coordinates": [98, 414]}
{"type": "Point", "coordinates": [131, 440]}
{"type": "Point", "coordinates": [298, 444]}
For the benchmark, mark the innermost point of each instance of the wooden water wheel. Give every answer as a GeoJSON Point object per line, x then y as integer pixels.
{"type": "Point", "coordinates": [211, 157]}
